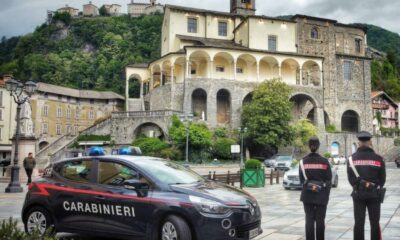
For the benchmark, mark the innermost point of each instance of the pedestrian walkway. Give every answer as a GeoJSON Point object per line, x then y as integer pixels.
{"type": "Point", "coordinates": [283, 215]}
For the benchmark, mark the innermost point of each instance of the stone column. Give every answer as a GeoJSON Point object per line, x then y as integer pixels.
{"type": "Point", "coordinates": [322, 78]}
{"type": "Point", "coordinates": [151, 80]}
{"type": "Point", "coordinates": [234, 69]}
{"type": "Point", "coordinates": [212, 109]}
{"type": "Point", "coordinates": [161, 76]}
{"type": "Point", "coordinates": [187, 68]}
{"type": "Point", "coordinates": [301, 76]}
{"type": "Point", "coordinates": [210, 69]}
{"type": "Point", "coordinates": [127, 94]}
{"type": "Point", "coordinates": [280, 71]}
{"type": "Point", "coordinates": [141, 94]}
{"type": "Point", "coordinates": [258, 71]}
{"type": "Point", "coordinates": [172, 88]}
{"type": "Point", "coordinates": [319, 118]}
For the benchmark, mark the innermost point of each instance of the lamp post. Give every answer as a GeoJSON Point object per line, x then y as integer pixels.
{"type": "Point", "coordinates": [187, 119]}
{"type": "Point", "coordinates": [241, 132]}
{"type": "Point", "coordinates": [345, 144]}
{"type": "Point", "coordinates": [16, 89]}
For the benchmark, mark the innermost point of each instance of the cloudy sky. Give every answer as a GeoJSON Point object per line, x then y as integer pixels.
{"type": "Point", "coordinates": [22, 16]}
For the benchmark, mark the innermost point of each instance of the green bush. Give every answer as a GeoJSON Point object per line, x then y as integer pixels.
{"type": "Point", "coordinates": [222, 148]}
{"type": "Point", "coordinates": [330, 128]}
{"type": "Point", "coordinates": [327, 155]}
{"type": "Point", "coordinates": [85, 138]}
{"type": "Point", "coordinates": [252, 164]}
{"type": "Point", "coordinates": [199, 156]}
{"type": "Point", "coordinates": [63, 17]}
{"type": "Point", "coordinates": [9, 230]}
{"type": "Point", "coordinates": [397, 142]}
{"type": "Point", "coordinates": [151, 146]}
{"type": "Point", "coordinates": [220, 133]}
{"type": "Point", "coordinates": [172, 154]}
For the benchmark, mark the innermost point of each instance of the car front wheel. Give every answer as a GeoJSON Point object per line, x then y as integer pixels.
{"type": "Point", "coordinates": [38, 220]}
{"type": "Point", "coordinates": [175, 228]}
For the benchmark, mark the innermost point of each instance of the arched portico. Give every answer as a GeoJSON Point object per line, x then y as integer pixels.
{"type": "Point", "coordinates": [350, 121]}
{"type": "Point", "coordinates": [311, 74]}
{"type": "Point", "coordinates": [290, 71]}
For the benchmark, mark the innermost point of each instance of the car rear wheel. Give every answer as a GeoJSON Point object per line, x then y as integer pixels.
{"type": "Point", "coordinates": [336, 182]}
{"type": "Point", "coordinates": [38, 220]}
{"type": "Point", "coordinates": [175, 228]}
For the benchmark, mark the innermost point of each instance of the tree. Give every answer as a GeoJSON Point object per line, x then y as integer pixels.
{"type": "Point", "coordinates": [267, 116]}
{"type": "Point", "coordinates": [103, 11]}
{"type": "Point", "coordinates": [304, 130]}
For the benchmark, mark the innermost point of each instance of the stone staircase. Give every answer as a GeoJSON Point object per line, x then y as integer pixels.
{"type": "Point", "coordinates": [44, 155]}
{"type": "Point", "coordinates": [135, 104]}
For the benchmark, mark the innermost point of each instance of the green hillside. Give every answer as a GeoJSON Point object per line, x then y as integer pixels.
{"type": "Point", "coordinates": [88, 53]}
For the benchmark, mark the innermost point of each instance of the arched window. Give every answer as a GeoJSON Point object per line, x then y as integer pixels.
{"type": "Point", "coordinates": [314, 33]}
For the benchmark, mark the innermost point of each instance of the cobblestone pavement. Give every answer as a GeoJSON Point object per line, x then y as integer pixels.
{"type": "Point", "coordinates": [283, 215]}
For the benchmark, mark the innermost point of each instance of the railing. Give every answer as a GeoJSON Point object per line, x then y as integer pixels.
{"type": "Point", "coordinates": [96, 125]}
{"type": "Point", "coordinates": [45, 149]}
{"type": "Point", "coordinates": [59, 154]}
{"type": "Point", "coordinates": [143, 114]}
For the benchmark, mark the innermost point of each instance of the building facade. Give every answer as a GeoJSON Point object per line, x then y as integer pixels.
{"type": "Point", "coordinates": [7, 120]}
{"type": "Point", "coordinates": [212, 61]}
{"type": "Point", "coordinates": [113, 9]}
{"type": "Point", "coordinates": [387, 109]}
{"type": "Point", "coordinates": [90, 10]}
{"type": "Point", "coordinates": [74, 12]}
{"type": "Point", "coordinates": [136, 9]}
{"type": "Point", "coordinates": [59, 111]}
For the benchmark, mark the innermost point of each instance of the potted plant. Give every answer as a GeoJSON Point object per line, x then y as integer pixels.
{"type": "Point", "coordinates": [253, 174]}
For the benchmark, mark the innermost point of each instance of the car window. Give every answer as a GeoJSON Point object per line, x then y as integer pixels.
{"type": "Point", "coordinates": [114, 174]}
{"type": "Point", "coordinates": [77, 171]}
{"type": "Point", "coordinates": [284, 158]}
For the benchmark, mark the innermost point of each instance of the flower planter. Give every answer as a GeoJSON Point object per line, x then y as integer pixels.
{"type": "Point", "coordinates": [253, 177]}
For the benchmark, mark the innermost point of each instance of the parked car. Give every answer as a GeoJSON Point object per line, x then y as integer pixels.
{"type": "Point", "coordinates": [283, 162]}
{"type": "Point", "coordinates": [291, 178]}
{"type": "Point", "coordinates": [270, 162]}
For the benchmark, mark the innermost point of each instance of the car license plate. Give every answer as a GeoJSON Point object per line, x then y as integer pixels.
{"type": "Point", "coordinates": [253, 233]}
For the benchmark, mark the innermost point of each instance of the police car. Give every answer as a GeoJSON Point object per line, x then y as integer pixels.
{"type": "Point", "coordinates": [137, 197]}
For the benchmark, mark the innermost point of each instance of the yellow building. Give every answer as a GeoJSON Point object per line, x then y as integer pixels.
{"type": "Point", "coordinates": [7, 120]}
{"type": "Point", "coordinates": [74, 12]}
{"type": "Point", "coordinates": [59, 111]}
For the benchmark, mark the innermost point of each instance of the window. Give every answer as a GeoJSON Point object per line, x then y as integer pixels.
{"type": "Point", "coordinates": [45, 128]}
{"type": "Point", "coordinates": [59, 97]}
{"type": "Point", "coordinates": [58, 129]}
{"type": "Point", "coordinates": [222, 28]}
{"type": "Point", "coordinates": [77, 114]}
{"type": "Point", "coordinates": [68, 130]}
{"type": "Point", "coordinates": [192, 25]}
{"type": "Point", "coordinates": [220, 69]}
{"type": "Point", "coordinates": [193, 71]}
{"type": "Point", "coordinates": [1, 115]}
{"type": "Point", "coordinates": [45, 111]}
{"type": "Point", "coordinates": [46, 95]}
{"type": "Point", "coordinates": [239, 70]}
{"type": "Point", "coordinates": [358, 45]}
{"type": "Point", "coordinates": [314, 33]}
{"type": "Point", "coordinates": [68, 99]}
{"type": "Point", "coordinates": [76, 131]}
{"type": "Point", "coordinates": [68, 113]}
{"type": "Point", "coordinates": [347, 67]}
{"type": "Point", "coordinates": [114, 174]}
{"type": "Point", "coordinates": [77, 171]}
{"type": "Point", "coordinates": [91, 101]}
{"type": "Point", "coordinates": [91, 115]}
{"type": "Point", "coordinates": [59, 112]}
{"type": "Point", "coordinates": [1, 134]}
{"type": "Point", "coordinates": [1, 98]}
{"type": "Point", "coordinates": [272, 42]}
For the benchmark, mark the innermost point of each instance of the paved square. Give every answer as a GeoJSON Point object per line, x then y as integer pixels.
{"type": "Point", "coordinates": [283, 215]}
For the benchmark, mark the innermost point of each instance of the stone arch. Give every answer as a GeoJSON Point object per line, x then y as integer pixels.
{"type": "Point", "coordinates": [199, 104]}
{"type": "Point", "coordinates": [350, 121]}
{"type": "Point", "coordinates": [199, 64]}
{"type": "Point", "coordinates": [304, 107]}
{"type": "Point", "coordinates": [149, 129]}
{"type": "Point", "coordinates": [223, 65]}
{"type": "Point", "coordinates": [179, 69]}
{"type": "Point", "coordinates": [166, 72]}
{"type": "Point", "coordinates": [43, 144]}
{"type": "Point", "coordinates": [248, 98]}
{"type": "Point", "coordinates": [290, 70]}
{"type": "Point", "coordinates": [246, 67]}
{"type": "Point", "coordinates": [156, 71]}
{"type": "Point", "coordinates": [269, 68]}
{"type": "Point", "coordinates": [224, 106]}
{"type": "Point", "coordinates": [134, 85]}
{"type": "Point", "coordinates": [327, 121]}
{"type": "Point", "coordinates": [335, 148]}
{"type": "Point", "coordinates": [311, 73]}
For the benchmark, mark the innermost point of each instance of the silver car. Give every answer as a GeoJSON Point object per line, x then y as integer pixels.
{"type": "Point", "coordinates": [291, 178]}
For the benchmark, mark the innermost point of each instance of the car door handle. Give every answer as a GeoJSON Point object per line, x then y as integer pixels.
{"type": "Point", "coordinates": [100, 197]}
{"type": "Point", "coordinates": [59, 185]}
{"type": "Point", "coordinates": [85, 188]}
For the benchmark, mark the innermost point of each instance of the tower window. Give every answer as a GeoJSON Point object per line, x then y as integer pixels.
{"type": "Point", "coordinates": [192, 25]}
{"type": "Point", "coordinates": [314, 33]}
{"type": "Point", "coordinates": [358, 45]}
{"type": "Point", "coordinates": [347, 67]}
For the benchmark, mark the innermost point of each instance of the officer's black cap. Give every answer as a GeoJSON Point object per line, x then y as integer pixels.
{"type": "Point", "coordinates": [364, 136]}
{"type": "Point", "coordinates": [313, 141]}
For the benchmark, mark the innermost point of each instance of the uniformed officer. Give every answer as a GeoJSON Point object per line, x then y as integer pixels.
{"type": "Point", "coordinates": [366, 173]}
{"type": "Point", "coordinates": [316, 176]}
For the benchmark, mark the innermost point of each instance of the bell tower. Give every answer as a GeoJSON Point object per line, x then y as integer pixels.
{"type": "Point", "coordinates": [243, 7]}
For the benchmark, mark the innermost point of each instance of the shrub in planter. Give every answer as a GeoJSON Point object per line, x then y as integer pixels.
{"type": "Point", "coordinates": [252, 164]}
{"type": "Point", "coordinates": [253, 175]}
{"type": "Point", "coordinates": [222, 148]}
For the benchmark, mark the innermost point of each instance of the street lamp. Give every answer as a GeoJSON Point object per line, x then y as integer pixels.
{"type": "Point", "coordinates": [241, 132]}
{"type": "Point", "coordinates": [16, 88]}
{"type": "Point", "coordinates": [187, 119]}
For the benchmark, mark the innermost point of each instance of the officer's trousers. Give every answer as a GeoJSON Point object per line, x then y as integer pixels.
{"type": "Point", "coordinates": [374, 213]}
{"type": "Point", "coordinates": [315, 221]}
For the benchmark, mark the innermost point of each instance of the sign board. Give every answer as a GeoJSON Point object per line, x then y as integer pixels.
{"type": "Point", "coordinates": [235, 148]}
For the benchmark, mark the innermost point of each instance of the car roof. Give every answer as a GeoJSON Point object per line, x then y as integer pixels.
{"type": "Point", "coordinates": [125, 158]}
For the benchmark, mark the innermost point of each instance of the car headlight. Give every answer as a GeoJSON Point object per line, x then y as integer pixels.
{"type": "Point", "coordinates": [285, 178]}
{"type": "Point", "coordinates": [206, 206]}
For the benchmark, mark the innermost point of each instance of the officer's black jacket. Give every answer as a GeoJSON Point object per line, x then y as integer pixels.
{"type": "Point", "coordinates": [370, 166]}
{"type": "Point", "coordinates": [317, 169]}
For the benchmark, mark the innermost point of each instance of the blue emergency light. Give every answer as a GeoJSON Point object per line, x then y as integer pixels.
{"type": "Point", "coordinates": [131, 151]}
{"type": "Point", "coordinates": [96, 151]}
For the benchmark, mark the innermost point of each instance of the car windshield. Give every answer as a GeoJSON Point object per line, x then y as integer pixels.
{"type": "Point", "coordinates": [169, 173]}
{"type": "Point", "coordinates": [284, 158]}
